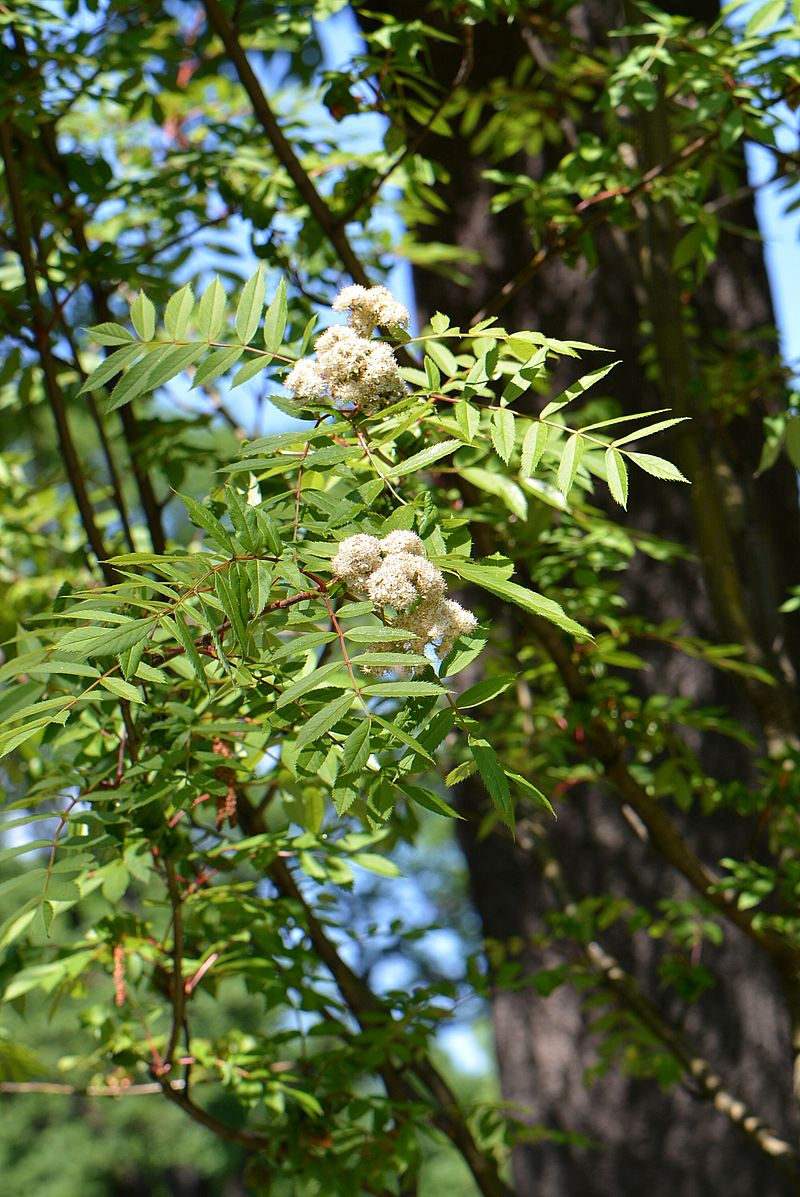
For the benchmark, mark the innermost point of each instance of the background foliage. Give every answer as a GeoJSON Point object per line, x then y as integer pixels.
{"type": "Point", "coordinates": [197, 766]}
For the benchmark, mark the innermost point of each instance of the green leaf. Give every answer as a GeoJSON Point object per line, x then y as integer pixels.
{"type": "Point", "coordinates": [428, 799]}
{"type": "Point", "coordinates": [173, 363]}
{"type": "Point", "coordinates": [533, 447]}
{"type": "Point", "coordinates": [95, 641]}
{"type": "Point", "coordinates": [422, 459]}
{"type": "Point", "coordinates": [498, 485]}
{"type": "Point", "coordinates": [765, 16]}
{"type": "Point", "coordinates": [433, 374]}
{"type": "Point", "coordinates": [243, 519]}
{"type": "Point", "coordinates": [793, 441]}
{"type": "Point", "coordinates": [275, 319]}
{"type": "Point", "coordinates": [226, 589]}
{"type": "Point", "coordinates": [485, 691]}
{"type": "Point", "coordinates": [250, 369]}
{"type": "Point", "coordinates": [689, 247]}
{"type": "Point", "coordinates": [260, 574]}
{"type": "Point", "coordinates": [269, 531]}
{"type": "Point", "coordinates": [577, 388]}
{"type": "Point", "coordinates": [137, 379]}
{"type": "Point", "coordinates": [443, 358]}
{"type": "Point", "coordinates": [143, 317]}
{"type": "Point", "coordinates": [529, 790]}
{"type": "Point", "coordinates": [570, 460]}
{"type": "Point", "coordinates": [401, 689]}
{"type": "Point", "coordinates": [460, 773]}
{"type": "Point", "coordinates": [493, 778]}
{"type": "Point", "coordinates": [211, 311]}
{"type": "Point", "coordinates": [467, 648]}
{"type": "Point", "coordinates": [11, 740]}
{"type": "Point", "coordinates": [121, 689]}
{"type": "Point", "coordinates": [316, 680]}
{"type": "Point", "coordinates": [178, 311]}
{"type": "Point", "coordinates": [217, 363]}
{"type": "Point", "coordinates": [200, 515]}
{"type": "Point", "coordinates": [250, 307]}
{"type": "Point", "coordinates": [617, 476]}
{"type": "Point", "coordinates": [192, 655]}
{"type": "Point", "coordinates": [468, 419]}
{"type": "Point", "coordinates": [356, 748]}
{"type": "Point", "coordinates": [649, 430]}
{"type": "Point", "coordinates": [657, 466]}
{"type": "Point", "coordinates": [113, 364]}
{"type": "Point", "coordinates": [399, 733]}
{"type": "Point", "coordinates": [110, 333]}
{"type": "Point", "coordinates": [504, 432]}
{"type": "Point", "coordinates": [376, 864]}
{"type": "Point", "coordinates": [325, 719]}
{"type": "Point", "coordinates": [392, 660]}
{"type": "Point", "coordinates": [529, 600]}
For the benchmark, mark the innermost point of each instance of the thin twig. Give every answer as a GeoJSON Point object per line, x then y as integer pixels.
{"type": "Point", "coordinates": [111, 1089]}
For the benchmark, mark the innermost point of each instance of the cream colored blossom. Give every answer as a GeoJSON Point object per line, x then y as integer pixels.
{"type": "Point", "coordinates": [358, 370]}
{"type": "Point", "coordinates": [404, 580]}
{"type": "Point", "coordinates": [356, 559]}
{"type": "Point", "coordinates": [394, 572]}
{"type": "Point", "coordinates": [371, 308]}
{"type": "Point", "coordinates": [353, 368]}
{"type": "Point", "coordinates": [305, 381]}
{"type": "Point", "coordinates": [458, 622]}
{"type": "Point", "coordinates": [392, 584]}
{"type": "Point", "coordinates": [440, 624]}
{"type": "Point", "coordinates": [402, 542]}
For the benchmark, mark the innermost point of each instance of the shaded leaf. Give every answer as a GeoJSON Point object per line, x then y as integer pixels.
{"type": "Point", "coordinates": [493, 778]}
{"type": "Point", "coordinates": [617, 476]}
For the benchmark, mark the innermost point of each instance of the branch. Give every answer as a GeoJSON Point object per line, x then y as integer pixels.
{"type": "Point", "coordinates": [413, 143]}
{"type": "Point", "coordinates": [112, 1089]}
{"type": "Point", "coordinates": [710, 1084]}
{"type": "Point", "coordinates": [556, 242]}
{"type": "Point", "coordinates": [52, 387]}
{"type": "Point", "coordinates": [334, 232]}
{"type": "Point", "coordinates": [177, 986]}
{"type": "Point", "coordinates": [624, 987]}
{"type": "Point", "coordinates": [661, 828]}
{"type": "Point", "coordinates": [366, 1007]}
{"type": "Point", "coordinates": [78, 219]}
{"type": "Point", "coordinates": [111, 465]}
{"type": "Point", "coordinates": [99, 295]}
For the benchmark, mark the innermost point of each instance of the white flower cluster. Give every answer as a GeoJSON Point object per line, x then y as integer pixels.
{"type": "Point", "coordinates": [395, 572]}
{"type": "Point", "coordinates": [371, 308]}
{"type": "Point", "coordinates": [352, 368]}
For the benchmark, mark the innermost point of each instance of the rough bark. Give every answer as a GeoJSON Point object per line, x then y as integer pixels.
{"type": "Point", "coordinates": [654, 1142]}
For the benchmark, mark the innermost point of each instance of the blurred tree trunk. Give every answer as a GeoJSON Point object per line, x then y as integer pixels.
{"type": "Point", "coordinates": [746, 535]}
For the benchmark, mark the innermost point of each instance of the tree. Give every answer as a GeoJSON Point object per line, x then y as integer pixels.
{"type": "Point", "coordinates": [290, 659]}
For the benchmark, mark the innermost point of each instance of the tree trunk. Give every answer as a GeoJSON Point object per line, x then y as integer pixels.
{"type": "Point", "coordinates": [746, 534]}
